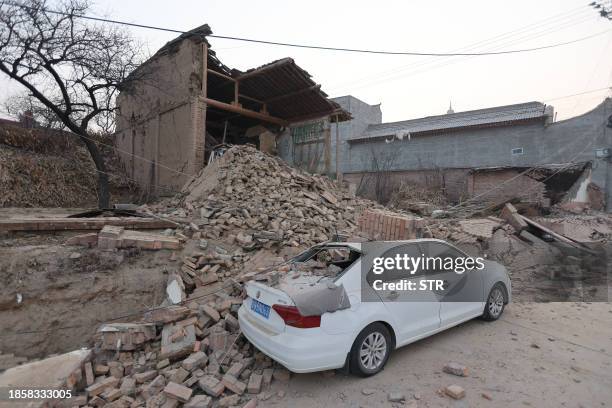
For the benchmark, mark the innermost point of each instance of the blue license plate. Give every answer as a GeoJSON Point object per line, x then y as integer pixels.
{"type": "Point", "coordinates": [260, 308]}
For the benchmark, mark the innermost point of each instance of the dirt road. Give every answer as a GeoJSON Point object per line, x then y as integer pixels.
{"type": "Point", "coordinates": [537, 355]}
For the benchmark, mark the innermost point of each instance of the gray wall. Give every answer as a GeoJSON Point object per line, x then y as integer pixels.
{"type": "Point", "coordinates": [363, 115]}
{"type": "Point", "coordinates": [572, 140]}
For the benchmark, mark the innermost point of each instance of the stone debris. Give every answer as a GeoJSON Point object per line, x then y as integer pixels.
{"type": "Point", "coordinates": [126, 336]}
{"type": "Point", "coordinates": [101, 386]}
{"type": "Point", "coordinates": [396, 397]}
{"type": "Point", "coordinates": [178, 392]}
{"type": "Point", "coordinates": [199, 401]}
{"type": "Point", "coordinates": [455, 391]}
{"type": "Point", "coordinates": [254, 385]}
{"type": "Point", "coordinates": [242, 214]}
{"type": "Point", "coordinates": [368, 391]}
{"type": "Point", "coordinates": [456, 369]}
{"type": "Point", "coordinates": [112, 237]}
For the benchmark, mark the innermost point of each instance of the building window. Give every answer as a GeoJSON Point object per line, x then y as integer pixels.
{"type": "Point", "coordinates": [517, 151]}
{"type": "Point", "coordinates": [310, 132]}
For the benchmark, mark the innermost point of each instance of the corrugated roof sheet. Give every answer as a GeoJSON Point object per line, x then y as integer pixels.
{"type": "Point", "coordinates": [266, 83]}
{"type": "Point", "coordinates": [475, 118]}
{"type": "Point", "coordinates": [271, 82]}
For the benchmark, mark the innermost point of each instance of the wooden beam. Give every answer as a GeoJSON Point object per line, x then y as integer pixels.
{"type": "Point", "coordinates": [219, 74]}
{"type": "Point", "coordinates": [65, 224]}
{"type": "Point", "coordinates": [205, 69]}
{"type": "Point", "coordinates": [269, 67]}
{"type": "Point", "coordinates": [245, 112]}
{"type": "Point", "coordinates": [237, 93]}
{"type": "Point", "coordinates": [292, 94]}
{"type": "Point", "coordinates": [250, 98]}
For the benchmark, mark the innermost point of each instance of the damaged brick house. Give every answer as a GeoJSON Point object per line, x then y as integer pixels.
{"type": "Point", "coordinates": [189, 102]}
{"type": "Point", "coordinates": [468, 153]}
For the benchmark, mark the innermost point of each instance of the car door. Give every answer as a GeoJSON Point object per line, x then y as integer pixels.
{"type": "Point", "coordinates": [462, 297]}
{"type": "Point", "coordinates": [415, 314]}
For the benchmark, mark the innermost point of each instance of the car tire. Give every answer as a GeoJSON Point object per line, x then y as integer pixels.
{"type": "Point", "coordinates": [495, 304]}
{"type": "Point", "coordinates": [370, 350]}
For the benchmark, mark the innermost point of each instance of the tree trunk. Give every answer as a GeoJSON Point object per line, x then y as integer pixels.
{"type": "Point", "coordinates": [103, 190]}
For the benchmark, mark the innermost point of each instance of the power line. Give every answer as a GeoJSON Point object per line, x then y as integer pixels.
{"type": "Point", "coordinates": [490, 41]}
{"type": "Point", "coordinates": [315, 47]}
{"type": "Point", "coordinates": [376, 79]}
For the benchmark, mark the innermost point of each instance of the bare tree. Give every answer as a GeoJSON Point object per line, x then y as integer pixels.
{"type": "Point", "coordinates": [73, 68]}
{"type": "Point", "coordinates": [378, 181]}
{"type": "Point", "coordinates": [21, 105]}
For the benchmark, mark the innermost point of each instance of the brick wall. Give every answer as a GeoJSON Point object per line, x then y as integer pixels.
{"type": "Point", "coordinates": [490, 184]}
{"type": "Point", "coordinates": [387, 226]}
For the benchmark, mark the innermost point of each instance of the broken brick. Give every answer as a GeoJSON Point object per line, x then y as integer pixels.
{"type": "Point", "coordinates": [178, 392]}
{"type": "Point", "coordinates": [196, 360]}
{"type": "Point", "coordinates": [254, 384]}
{"type": "Point", "coordinates": [210, 311]}
{"type": "Point", "coordinates": [281, 374]}
{"type": "Point", "coordinates": [454, 391]}
{"type": "Point", "coordinates": [211, 386]}
{"type": "Point", "coordinates": [89, 374]}
{"type": "Point", "coordinates": [456, 369]}
{"type": "Point", "coordinates": [146, 376]}
{"type": "Point", "coordinates": [199, 401]}
{"type": "Point", "coordinates": [233, 384]}
{"type": "Point", "coordinates": [101, 386]}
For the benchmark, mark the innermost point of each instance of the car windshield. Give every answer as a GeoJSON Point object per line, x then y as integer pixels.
{"type": "Point", "coordinates": [329, 261]}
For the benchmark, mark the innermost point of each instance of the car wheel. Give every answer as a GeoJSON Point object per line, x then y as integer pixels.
{"type": "Point", "coordinates": [495, 303]}
{"type": "Point", "coordinates": [370, 350]}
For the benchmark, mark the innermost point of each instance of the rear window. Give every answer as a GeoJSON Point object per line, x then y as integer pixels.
{"type": "Point", "coordinates": [329, 261]}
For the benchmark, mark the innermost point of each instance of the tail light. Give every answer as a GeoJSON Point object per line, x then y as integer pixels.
{"type": "Point", "coordinates": [292, 317]}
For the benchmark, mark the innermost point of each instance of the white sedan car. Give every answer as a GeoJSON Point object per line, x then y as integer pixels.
{"type": "Point", "coordinates": [361, 335]}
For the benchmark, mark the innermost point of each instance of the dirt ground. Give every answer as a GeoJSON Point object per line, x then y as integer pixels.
{"type": "Point", "coordinates": [53, 296]}
{"type": "Point", "coordinates": [536, 355]}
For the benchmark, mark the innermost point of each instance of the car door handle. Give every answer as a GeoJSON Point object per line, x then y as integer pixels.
{"type": "Point", "coordinates": [393, 295]}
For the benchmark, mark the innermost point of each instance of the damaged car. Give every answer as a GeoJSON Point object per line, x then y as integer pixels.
{"type": "Point", "coordinates": [312, 314]}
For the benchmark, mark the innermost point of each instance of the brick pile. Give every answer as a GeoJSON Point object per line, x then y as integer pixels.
{"type": "Point", "coordinates": [386, 225]}
{"type": "Point", "coordinates": [257, 201]}
{"type": "Point", "coordinates": [188, 355]}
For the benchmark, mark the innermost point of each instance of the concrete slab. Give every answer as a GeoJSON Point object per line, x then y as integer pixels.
{"type": "Point", "coordinates": [53, 373]}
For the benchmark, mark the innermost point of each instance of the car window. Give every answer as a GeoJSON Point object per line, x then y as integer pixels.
{"type": "Point", "coordinates": [411, 250]}
{"type": "Point", "coordinates": [437, 253]}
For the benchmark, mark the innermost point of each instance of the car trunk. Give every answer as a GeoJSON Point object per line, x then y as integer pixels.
{"type": "Point", "coordinates": [260, 294]}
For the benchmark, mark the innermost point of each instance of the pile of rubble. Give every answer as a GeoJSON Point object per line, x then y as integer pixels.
{"type": "Point", "coordinates": [245, 210]}
{"type": "Point", "coordinates": [259, 201]}
{"type": "Point", "coordinates": [189, 354]}
{"type": "Point", "coordinates": [417, 199]}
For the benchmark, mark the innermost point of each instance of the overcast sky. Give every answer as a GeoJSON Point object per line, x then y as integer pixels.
{"type": "Point", "coordinates": [406, 86]}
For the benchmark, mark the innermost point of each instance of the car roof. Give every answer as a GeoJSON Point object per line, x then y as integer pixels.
{"type": "Point", "coordinates": [357, 245]}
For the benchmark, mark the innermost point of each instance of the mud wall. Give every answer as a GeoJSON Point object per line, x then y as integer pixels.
{"type": "Point", "coordinates": [53, 297]}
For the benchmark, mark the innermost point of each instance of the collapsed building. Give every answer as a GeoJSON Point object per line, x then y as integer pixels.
{"type": "Point", "coordinates": [186, 102]}
{"type": "Point", "coordinates": [495, 154]}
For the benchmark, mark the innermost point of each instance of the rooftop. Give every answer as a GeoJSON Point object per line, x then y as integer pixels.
{"type": "Point", "coordinates": [286, 89]}
{"type": "Point", "coordinates": [496, 116]}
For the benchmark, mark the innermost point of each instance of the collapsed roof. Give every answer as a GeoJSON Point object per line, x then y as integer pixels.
{"type": "Point", "coordinates": [283, 88]}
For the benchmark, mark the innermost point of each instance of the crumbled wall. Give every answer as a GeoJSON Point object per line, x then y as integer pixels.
{"type": "Point", "coordinates": [452, 182]}
{"type": "Point", "coordinates": [160, 125]}
{"type": "Point", "coordinates": [572, 140]}
{"type": "Point", "coordinates": [488, 185]}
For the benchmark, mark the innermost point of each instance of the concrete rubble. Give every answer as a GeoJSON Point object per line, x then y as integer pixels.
{"type": "Point", "coordinates": [248, 211]}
